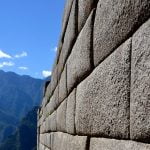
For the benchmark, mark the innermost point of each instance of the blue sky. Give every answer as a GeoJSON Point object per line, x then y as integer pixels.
{"type": "Point", "coordinates": [29, 33]}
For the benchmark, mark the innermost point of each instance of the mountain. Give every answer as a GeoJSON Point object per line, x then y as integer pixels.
{"type": "Point", "coordinates": [18, 95]}
{"type": "Point", "coordinates": [26, 136]}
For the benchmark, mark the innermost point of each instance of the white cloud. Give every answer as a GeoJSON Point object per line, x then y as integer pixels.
{"type": "Point", "coordinates": [3, 64]}
{"type": "Point", "coordinates": [4, 55]}
{"type": "Point", "coordinates": [46, 73]}
{"type": "Point", "coordinates": [23, 68]}
{"type": "Point", "coordinates": [23, 54]}
{"type": "Point", "coordinates": [55, 49]}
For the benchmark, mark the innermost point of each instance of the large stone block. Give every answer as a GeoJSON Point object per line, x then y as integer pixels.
{"type": "Point", "coordinates": [102, 99]}
{"type": "Point", "coordinates": [63, 85]}
{"type": "Point", "coordinates": [48, 92]}
{"type": "Point", "coordinates": [53, 103]}
{"type": "Point", "coordinates": [42, 147]}
{"type": "Point", "coordinates": [79, 62]}
{"type": "Point", "coordinates": [63, 141]}
{"type": "Point", "coordinates": [112, 144]}
{"type": "Point", "coordinates": [52, 121]}
{"type": "Point", "coordinates": [66, 15]}
{"type": "Point", "coordinates": [115, 21]}
{"type": "Point", "coordinates": [61, 116]}
{"type": "Point", "coordinates": [54, 79]}
{"type": "Point", "coordinates": [45, 87]}
{"type": "Point", "coordinates": [70, 37]}
{"type": "Point", "coordinates": [140, 84]}
{"type": "Point", "coordinates": [70, 113]}
{"type": "Point", "coordinates": [84, 10]}
{"type": "Point", "coordinates": [45, 139]}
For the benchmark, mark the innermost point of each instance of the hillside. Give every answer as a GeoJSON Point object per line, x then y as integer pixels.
{"type": "Point", "coordinates": [18, 95]}
{"type": "Point", "coordinates": [25, 136]}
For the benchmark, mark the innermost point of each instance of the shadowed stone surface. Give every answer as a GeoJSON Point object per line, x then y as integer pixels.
{"type": "Point", "coordinates": [53, 103]}
{"type": "Point", "coordinates": [70, 36]}
{"type": "Point", "coordinates": [70, 114]}
{"type": "Point", "coordinates": [79, 62]}
{"type": "Point", "coordinates": [63, 141]}
{"type": "Point", "coordinates": [102, 100]}
{"type": "Point", "coordinates": [115, 20]}
{"type": "Point", "coordinates": [61, 116]}
{"type": "Point", "coordinates": [54, 79]}
{"type": "Point", "coordinates": [111, 144]}
{"type": "Point", "coordinates": [63, 85]}
{"type": "Point", "coordinates": [48, 91]}
{"type": "Point", "coordinates": [140, 84]}
{"type": "Point", "coordinates": [84, 9]}
{"type": "Point", "coordinates": [66, 16]}
{"type": "Point", "coordinates": [51, 122]}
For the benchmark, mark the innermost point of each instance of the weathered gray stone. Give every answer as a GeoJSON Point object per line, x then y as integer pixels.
{"type": "Point", "coordinates": [69, 38]}
{"type": "Point", "coordinates": [67, 12]}
{"type": "Point", "coordinates": [51, 140]}
{"type": "Point", "coordinates": [84, 7]}
{"type": "Point", "coordinates": [43, 127]}
{"type": "Point", "coordinates": [115, 21]}
{"type": "Point", "coordinates": [48, 92]}
{"type": "Point", "coordinates": [54, 79]}
{"type": "Point", "coordinates": [63, 141]}
{"type": "Point", "coordinates": [63, 85]}
{"type": "Point", "coordinates": [42, 147]}
{"type": "Point", "coordinates": [70, 113]}
{"type": "Point", "coordinates": [61, 116]}
{"type": "Point", "coordinates": [41, 120]}
{"type": "Point", "coordinates": [79, 62]}
{"type": "Point", "coordinates": [45, 140]}
{"type": "Point", "coordinates": [42, 139]}
{"type": "Point", "coordinates": [102, 99]}
{"type": "Point", "coordinates": [112, 144]}
{"type": "Point", "coordinates": [140, 84]}
{"type": "Point", "coordinates": [45, 87]}
{"type": "Point", "coordinates": [52, 122]}
{"type": "Point", "coordinates": [53, 103]}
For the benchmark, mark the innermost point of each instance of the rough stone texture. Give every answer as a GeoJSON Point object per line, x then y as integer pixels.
{"type": "Point", "coordinates": [70, 37]}
{"type": "Point", "coordinates": [45, 87]}
{"type": "Point", "coordinates": [115, 20]}
{"type": "Point", "coordinates": [66, 17]}
{"type": "Point", "coordinates": [100, 79]}
{"type": "Point", "coordinates": [102, 100]}
{"type": "Point", "coordinates": [79, 62]}
{"type": "Point", "coordinates": [48, 92]}
{"type": "Point", "coordinates": [53, 103]}
{"type": "Point", "coordinates": [84, 10]}
{"type": "Point", "coordinates": [51, 122]}
{"type": "Point", "coordinates": [42, 147]}
{"type": "Point", "coordinates": [63, 85]}
{"type": "Point", "coordinates": [111, 144]}
{"type": "Point", "coordinates": [140, 84]}
{"type": "Point", "coordinates": [54, 79]}
{"type": "Point", "coordinates": [70, 113]}
{"type": "Point", "coordinates": [61, 116]}
{"type": "Point", "coordinates": [63, 141]}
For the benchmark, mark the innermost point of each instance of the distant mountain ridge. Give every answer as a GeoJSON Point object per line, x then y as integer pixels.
{"type": "Point", "coordinates": [18, 95]}
{"type": "Point", "coordinates": [25, 137]}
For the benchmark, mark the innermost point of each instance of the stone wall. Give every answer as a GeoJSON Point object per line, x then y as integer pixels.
{"type": "Point", "coordinates": [99, 94]}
